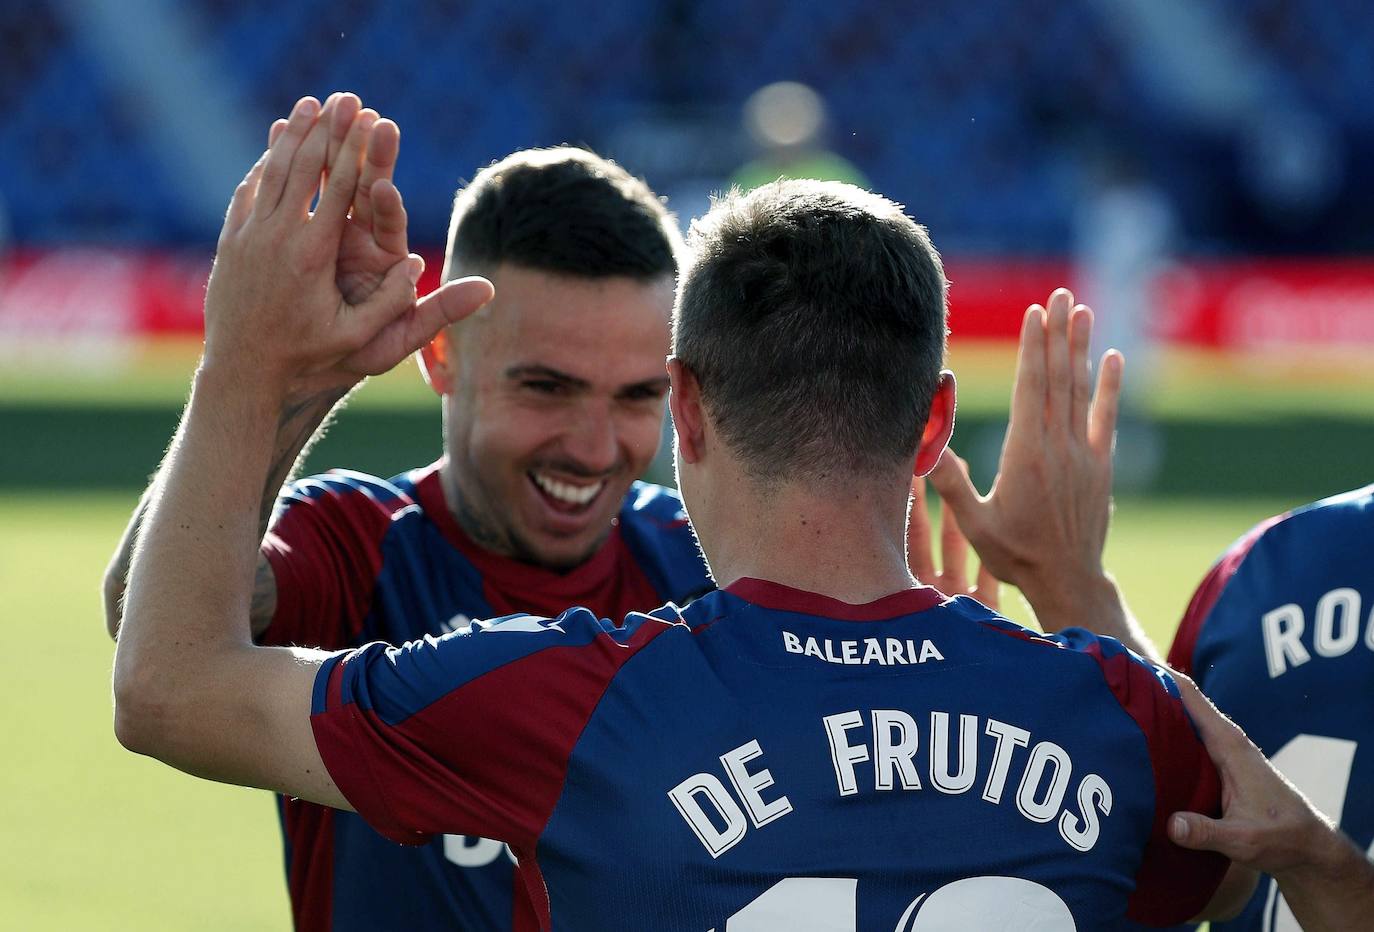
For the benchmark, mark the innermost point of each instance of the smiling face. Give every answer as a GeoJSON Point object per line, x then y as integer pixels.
{"type": "Point", "coordinates": [554, 402]}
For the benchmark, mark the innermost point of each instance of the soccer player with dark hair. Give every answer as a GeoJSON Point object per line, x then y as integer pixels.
{"type": "Point", "coordinates": [553, 404]}
{"type": "Point", "coordinates": [824, 743]}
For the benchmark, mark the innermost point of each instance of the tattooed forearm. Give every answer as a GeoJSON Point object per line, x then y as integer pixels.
{"type": "Point", "coordinates": [301, 423]}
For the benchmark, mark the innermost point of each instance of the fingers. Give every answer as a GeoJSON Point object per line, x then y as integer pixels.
{"type": "Point", "coordinates": [1080, 370]}
{"type": "Point", "coordinates": [953, 551]}
{"type": "Point", "coordinates": [241, 204]}
{"type": "Point", "coordinates": [1219, 734]}
{"type": "Point", "coordinates": [345, 107]}
{"type": "Point", "coordinates": [1028, 391]}
{"type": "Point", "coordinates": [338, 192]}
{"type": "Point", "coordinates": [1059, 382]}
{"type": "Point", "coordinates": [446, 305]}
{"type": "Point", "coordinates": [388, 216]}
{"type": "Point", "coordinates": [1106, 403]}
{"type": "Point", "coordinates": [303, 177]}
{"type": "Point", "coordinates": [417, 325]}
{"type": "Point", "coordinates": [920, 557]}
{"type": "Point", "coordinates": [289, 139]}
{"type": "Point", "coordinates": [1193, 830]}
{"type": "Point", "coordinates": [988, 591]}
{"type": "Point", "coordinates": [951, 480]}
{"type": "Point", "coordinates": [382, 150]}
{"type": "Point", "coordinates": [273, 134]}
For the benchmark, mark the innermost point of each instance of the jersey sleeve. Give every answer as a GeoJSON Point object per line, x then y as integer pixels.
{"type": "Point", "coordinates": [470, 733]}
{"type": "Point", "coordinates": [1173, 884]}
{"type": "Point", "coordinates": [325, 550]}
{"type": "Point", "coordinates": [1205, 598]}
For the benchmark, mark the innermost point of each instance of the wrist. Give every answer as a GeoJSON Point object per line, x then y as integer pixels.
{"type": "Point", "coordinates": [219, 375]}
{"type": "Point", "coordinates": [1073, 600]}
{"type": "Point", "coordinates": [1322, 853]}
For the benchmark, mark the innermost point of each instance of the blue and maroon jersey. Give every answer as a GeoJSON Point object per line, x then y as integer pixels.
{"type": "Point", "coordinates": [360, 559]}
{"type": "Point", "coordinates": [1280, 634]}
{"type": "Point", "coordinates": [770, 759]}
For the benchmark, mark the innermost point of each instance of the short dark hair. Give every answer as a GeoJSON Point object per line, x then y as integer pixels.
{"type": "Point", "coordinates": [563, 210]}
{"type": "Point", "coordinates": [813, 316]}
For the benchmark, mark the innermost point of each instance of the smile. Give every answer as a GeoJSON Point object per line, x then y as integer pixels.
{"type": "Point", "coordinates": [565, 492]}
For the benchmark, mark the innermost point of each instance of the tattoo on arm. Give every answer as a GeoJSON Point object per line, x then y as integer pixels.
{"type": "Point", "coordinates": [301, 424]}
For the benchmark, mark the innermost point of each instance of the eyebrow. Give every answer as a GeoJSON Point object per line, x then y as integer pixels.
{"type": "Point", "coordinates": [544, 372]}
{"type": "Point", "coordinates": [534, 371]}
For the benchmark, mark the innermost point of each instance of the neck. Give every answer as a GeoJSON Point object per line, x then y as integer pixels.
{"type": "Point", "coordinates": [845, 540]}
{"type": "Point", "coordinates": [480, 531]}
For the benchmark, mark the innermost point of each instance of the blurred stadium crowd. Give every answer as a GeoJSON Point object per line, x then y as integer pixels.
{"type": "Point", "coordinates": [991, 121]}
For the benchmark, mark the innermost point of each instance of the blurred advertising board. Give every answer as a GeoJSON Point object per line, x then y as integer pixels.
{"type": "Point", "coordinates": [84, 303]}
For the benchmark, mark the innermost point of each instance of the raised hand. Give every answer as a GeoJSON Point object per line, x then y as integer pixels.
{"type": "Point", "coordinates": [276, 303]}
{"type": "Point", "coordinates": [1044, 524]}
{"type": "Point", "coordinates": [952, 576]}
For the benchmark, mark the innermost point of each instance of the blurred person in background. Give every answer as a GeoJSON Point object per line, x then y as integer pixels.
{"type": "Point", "coordinates": [552, 401]}
{"type": "Point", "coordinates": [786, 122]}
{"type": "Point", "coordinates": [1123, 234]}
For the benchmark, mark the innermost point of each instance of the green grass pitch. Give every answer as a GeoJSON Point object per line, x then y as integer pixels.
{"type": "Point", "coordinates": [96, 838]}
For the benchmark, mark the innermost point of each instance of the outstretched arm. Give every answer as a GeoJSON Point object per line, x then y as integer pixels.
{"type": "Point", "coordinates": [1268, 825]}
{"type": "Point", "coordinates": [190, 687]}
{"type": "Point", "coordinates": [374, 239]}
{"type": "Point", "coordinates": [1043, 526]}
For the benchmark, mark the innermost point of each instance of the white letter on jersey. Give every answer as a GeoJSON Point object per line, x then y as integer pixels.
{"type": "Point", "coordinates": [1093, 794]}
{"type": "Point", "coordinates": [842, 753]}
{"type": "Point", "coordinates": [1009, 738]}
{"type": "Point", "coordinates": [687, 796]}
{"type": "Point", "coordinates": [1344, 603]}
{"type": "Point", "coordinates": [889, 755]}
{"type": "Point", "coordinates": [748, 784]}
{"type": "Point", "coordinates": [1044, 753]}
{"type": "Point", "coordinates": [944, 781]}
{"type": "Point", "coordinates": [471, 851]}
{"type": "Point", "coordinates": [1282, 628]}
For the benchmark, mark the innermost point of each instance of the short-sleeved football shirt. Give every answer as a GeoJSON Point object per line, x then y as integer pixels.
{"type": "Point", "coordinates": [360, 559]}
{"type": "Point", "coordinates": [771, 759]}
{"type": "Point", "coordinates": [1280, 634]}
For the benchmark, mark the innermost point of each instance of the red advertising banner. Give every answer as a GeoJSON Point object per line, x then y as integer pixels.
{"type": "Point", "coordinates": [1253, 306]}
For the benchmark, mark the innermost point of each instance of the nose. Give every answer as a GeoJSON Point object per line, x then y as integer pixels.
{"type": "Point", "coordinates": [592, 439]}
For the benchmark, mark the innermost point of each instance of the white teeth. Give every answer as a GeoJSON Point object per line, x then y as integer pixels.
{"type": "Point", "coordinates": [572, 494]}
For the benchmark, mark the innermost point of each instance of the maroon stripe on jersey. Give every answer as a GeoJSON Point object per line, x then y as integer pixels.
{"type": "Point", "coordinates": [310, 875]}
{"type": "Point", "coordinates": [782, 598]}
{"type": "Point", "coordinates": [1173, 884]}
{"type": "Point", "coordinates": [456, 765]}
{"type": "Point", "coordinates": [530, 905]}
{"type": "Point", "coordinates": [326, 554]}
{"type": "Point", "coordinates": [1208, 591]}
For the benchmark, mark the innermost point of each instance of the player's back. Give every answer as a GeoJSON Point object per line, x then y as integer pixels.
{"type": "Point", "coordinates": [1281, 636]}
{"type": "Point", "coordinates": [774, 760]}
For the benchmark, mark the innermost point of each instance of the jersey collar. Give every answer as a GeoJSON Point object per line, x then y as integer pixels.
{"type": "Point", "coordinates": [782, 598]}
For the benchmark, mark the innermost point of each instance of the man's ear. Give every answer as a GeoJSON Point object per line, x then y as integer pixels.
{"type": "Point", "coordinates": [689, 418]}
{"type": "Point", "coordinates": [436, 363]}
{"type": "Point", "coordinates": [939, 426]}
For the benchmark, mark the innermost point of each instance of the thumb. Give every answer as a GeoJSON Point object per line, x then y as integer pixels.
{"type": "Point", "coordinates": [951, 480]}
{"type": "Point", "coordinates": [458, 299]}
{"type": "Point", "coordinates": [1197, 831]}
